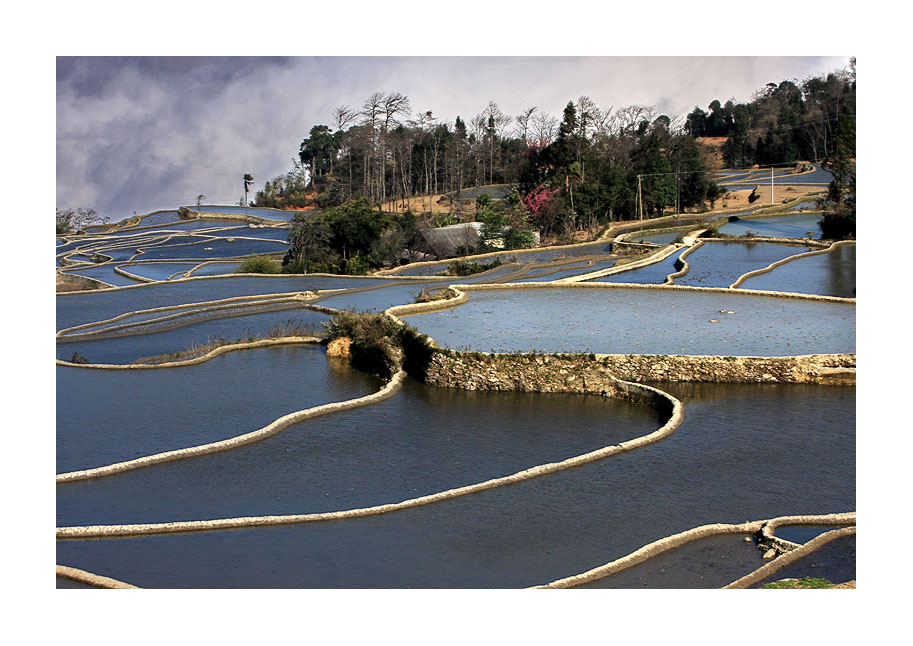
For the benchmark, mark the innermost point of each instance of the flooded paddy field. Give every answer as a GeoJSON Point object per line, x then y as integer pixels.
{"type": "Point", "coordinates": [719, 264]}
{"type": "Point", "coordinates": [162, 409]}
{"type": "Point", "coordinates": [657, 238]}
{"type": "Point", "coordinates": [523, 257]}
{"type": "Point", "coordinates": [781, 226]}
{"type": "Point", "coordinates": [652, 274]}
{"type": "Point", "coordinates": [727, 463]}
{"type": "Point", "coordinates": [106, 274]}
{"type": "Point", "coordinates": [724, 464]}
{"type": "Point", "coordinates": [829, 274]}
{"type": "Point", "coordinates": [834, 561]}
{"type": "Point", "coordinates": [216, 269]}
{"type": "Point", "coordinates": [421, 441]}
{"type": "Point", "coordinates": [159, 270]}
{"type": "Point", "coordinates": [87, 307]}
{"type": "Point", "coordinates": [197, 247]}
{"type": "Point", "coordinates": [641, 321]}
{"type": "Point", "coordinates": [190, 332]}
{"type": "Point", "coordinates": [557, 273]}
{"type": "Point", "coordinates": [707, 563]}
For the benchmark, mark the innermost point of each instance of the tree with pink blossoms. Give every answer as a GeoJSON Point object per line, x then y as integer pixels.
{"type": "Point", "coordinates": [538, 203]}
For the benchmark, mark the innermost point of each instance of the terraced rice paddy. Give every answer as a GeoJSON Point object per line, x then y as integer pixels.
{"type": "Point", "coordinates": [742, 451]}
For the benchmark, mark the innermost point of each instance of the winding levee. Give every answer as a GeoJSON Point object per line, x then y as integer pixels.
{"type": "Point", "coordinates": [781, 562]}
{"type": "Point", "coordinates": [637, 392]}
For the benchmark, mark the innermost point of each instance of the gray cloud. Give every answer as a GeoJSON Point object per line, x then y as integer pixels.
{"type": "Point", "coordinates": [138, 133]}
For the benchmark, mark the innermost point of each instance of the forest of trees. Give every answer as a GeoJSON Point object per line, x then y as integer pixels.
{"type": "Point", "coordinates": [589, 167]}
{"type": "Point", "coordinates": [784, 123]}
{"type": "Point", "coordinates": [591, 157]}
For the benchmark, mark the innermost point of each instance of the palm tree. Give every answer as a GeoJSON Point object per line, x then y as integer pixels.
{"type": "Point", "coordinates": [248, 180]}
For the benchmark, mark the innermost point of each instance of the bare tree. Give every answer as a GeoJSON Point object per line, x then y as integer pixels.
{"type": "Point", "coordinates": [392, 105]}
{"type": "Point", "coordinates": [371, 110]}
{"type": "Point", "coordinates": [544, 128]}
{"type": "Point", "coordinates": [523, 124]}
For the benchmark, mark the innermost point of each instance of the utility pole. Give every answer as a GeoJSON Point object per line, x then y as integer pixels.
{"type": "Point", "coordinates": [640, 199]}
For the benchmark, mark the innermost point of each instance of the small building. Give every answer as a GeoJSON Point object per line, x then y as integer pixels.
{"type": "Point", "coordinates": [454, 240]}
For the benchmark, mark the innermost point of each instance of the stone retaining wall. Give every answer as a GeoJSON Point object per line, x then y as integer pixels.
{"type": "Point", "coordinates": [595, 373]}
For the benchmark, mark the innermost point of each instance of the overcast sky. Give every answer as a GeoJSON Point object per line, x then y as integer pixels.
{"type": "Point", "coordinates": [140, 133]}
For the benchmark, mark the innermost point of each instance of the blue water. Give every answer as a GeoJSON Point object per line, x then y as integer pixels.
{"type": "Point", "coordinates": [105, 273]}
{"type": "Point", "coordinates": [783, 176]}
{"type": "Point", "coordinates": [657, 238]}
{"type": "Point", "coordinates": [158, 271]}
{"type": "Point", "coordinates": [148, 411]}
{"type": "Point", "coordinates": [802, 533]}
{"type": "Point", "coordinates": [641, 321]}
{"type": "Point", "coordinates": [719, 264]}
{"type": "Point", "coordinates": [421, 441]}
{"type": "Point", "coordinates": [203, 223]}
{"type": "Point", "coordinates": [76, 309]}
{"type": "Point", "coordinates": [526, 257]}
{"type": "Point", "coordinates": [153, 219]}
{"type": "Point", "coordinates": [835, 561]}
{"type": "Point", "coordinates": [802, 206]}
{"type": "Point", "coordinates": [722, 465]}
{"type": "Point", "coordinates": [216, 269]}
{"type": "Point", "coordinates": [238, 324]}
{"type": "Point", "coordinates": [708, 563]}
{"type": "Point", "coordinates": [830, 274]}
{"type": "Point", "coordinates": [210, 248]}
{"type": "Point", "coordinates": [654, 274]}
{"type": "Point", "coordinates": [378, 300]}
{"type": "Point", "coordinates": [782, 226]}
{"type": "Point", "coordinates": [573, 270]}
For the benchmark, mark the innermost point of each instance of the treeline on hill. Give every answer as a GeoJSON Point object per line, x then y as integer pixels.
{"type": "Point", "coordinates": [591, 167]}
{"type": "Point", "coordinates": [591, 157]}
{"type": "Point", "coordinates": [811, 120]}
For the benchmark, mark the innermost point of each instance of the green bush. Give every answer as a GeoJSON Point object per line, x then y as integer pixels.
{"type": "Point", "coordinates": [381, 346]}
{"type": "Point", "coordinates": [468, 268]}
{"type": "Point", "coordinates": [259, 265]}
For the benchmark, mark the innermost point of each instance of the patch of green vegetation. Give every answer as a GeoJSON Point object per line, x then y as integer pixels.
{"type": "Point", "coordinates": [430, 295]}
{"type": "Point", "coordinates": [805, 583]}
{"type": "Point", "coordinates": [468, 268]}
{"type": "Point", "coordinates": [259, 265]}
{"type": "Point", "coordinates": [381, 346]}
